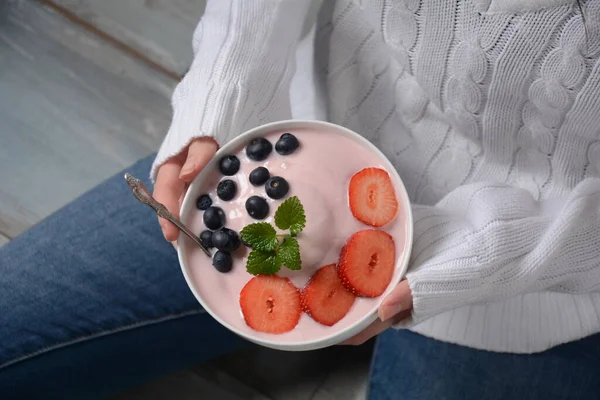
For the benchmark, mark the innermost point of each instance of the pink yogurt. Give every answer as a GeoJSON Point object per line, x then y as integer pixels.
{"type": "Point", "coordinates": [318, 173]}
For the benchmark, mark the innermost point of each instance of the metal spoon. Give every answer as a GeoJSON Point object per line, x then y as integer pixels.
{"type": "Point", "coordinates": [143, 195]}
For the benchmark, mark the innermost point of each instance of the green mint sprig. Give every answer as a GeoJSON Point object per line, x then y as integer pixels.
{"type": "Point", "coordinates": [269, 250]}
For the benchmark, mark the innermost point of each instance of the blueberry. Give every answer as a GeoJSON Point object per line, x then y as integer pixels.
{"type": "Point", "coordinates": [203, 202]}
{"type": "Point", "coordinates": [226, 240]}
{"type": "Point", "coordinates": [206, 237]}
{"type": "Point", "coordinates": [222, 261]}
{"type": "Point", "coordinates": [259, 176]}
{"type": "Point", "coordinates": [229, 165]}
{"type": "Point", "coordinates": [226, 189]}
{"type": "Point", "coordinates": [259, 149]}
{"type": "Point", "coordinates": [257, 207]}
{"type": "Point", "coordinates": [214, 218]}
{"type": "Point", "coordinates": [287, 144]}
{"type": "Point", "coordinates": [276, 187]}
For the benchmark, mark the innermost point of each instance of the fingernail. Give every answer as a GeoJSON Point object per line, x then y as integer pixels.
{"type": "Point", "coordinates": [391, 307]}
{"type": "Point", "coordinates": [187, 168]}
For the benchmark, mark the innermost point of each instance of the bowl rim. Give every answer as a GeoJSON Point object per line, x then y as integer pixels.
{"type": "Point", "coordinates": [188, 205]}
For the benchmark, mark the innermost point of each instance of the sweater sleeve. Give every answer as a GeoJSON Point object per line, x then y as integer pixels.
{"type": "Point", "coordinates": [487, 242]}
{"type": "Point", "coordinates": [240, 76]}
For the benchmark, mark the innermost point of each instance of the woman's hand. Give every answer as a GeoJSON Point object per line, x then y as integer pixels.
{"type": "Point", "coordinates": [174, 176]}
{"type": "Point", "coordinates": [395, 307]}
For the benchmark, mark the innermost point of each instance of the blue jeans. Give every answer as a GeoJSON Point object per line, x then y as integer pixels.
{"type": "Point", "coordinates": [92, 301]}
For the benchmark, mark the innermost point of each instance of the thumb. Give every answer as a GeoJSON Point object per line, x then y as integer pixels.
{"type": "Point", "coordinates": [167, 190]}
{"type": "Point", "coordinates": [199, 154]}
{"type": "Point", "coordinates": [400, 299]}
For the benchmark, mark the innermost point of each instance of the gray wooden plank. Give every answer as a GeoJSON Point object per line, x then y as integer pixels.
{"type": "Point", "coordinates": [349, 378]}
{"type": "Point", "coordinates": [14, 217]}
{"type": "Point", "coordinates": [73, 109]}
{"type": "Point", "coordinates": [3, 240]}
{"type": "Point", "coordinates": [348, 381]}
{"type": "Point", "coordinates": [213, 373]}
{"type": "Point", "coordinates": [182, 385]}
{"type": "Point", "coordinates": [281, 375]}
{"type": "Point", "coordinates": [160, 29]}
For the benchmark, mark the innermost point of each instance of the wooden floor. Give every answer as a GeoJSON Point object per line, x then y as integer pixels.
{"type": "Point", "coordinates": [84, 92]}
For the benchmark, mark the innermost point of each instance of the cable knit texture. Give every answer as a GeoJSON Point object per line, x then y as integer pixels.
{"type": "Point", "coordinates": [490, 111]}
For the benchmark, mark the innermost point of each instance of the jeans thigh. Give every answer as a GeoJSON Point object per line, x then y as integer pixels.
{"type": "Point", "coordinates": [407, 365]}
{"type": "Point", "coordinates": [95, 294]}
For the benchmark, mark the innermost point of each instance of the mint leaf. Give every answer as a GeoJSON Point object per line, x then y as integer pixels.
{"type": "Point", "coordinates": [289, 254]}
{"type": "Point", "coordinates": [268, 255]}
{"type": "Point", "coordinates": [261, 236]}
{"type": "Point", "coordinates": [290, 215]}
{"type": "Point", "coordinates": [263, 262]}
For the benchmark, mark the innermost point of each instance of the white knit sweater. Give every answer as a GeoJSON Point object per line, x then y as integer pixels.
{"type": "Point", "coordinates": [489, 109]}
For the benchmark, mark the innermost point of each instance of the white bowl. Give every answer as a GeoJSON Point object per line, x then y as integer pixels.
{"type": "Point", "coordinates": [188, 207]}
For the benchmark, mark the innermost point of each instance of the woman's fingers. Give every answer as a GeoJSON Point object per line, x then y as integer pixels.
{"type": "Point", "coordinates": [199, 154]}
{"type": "Point", "coordinates": [395, 307]}
{"type": "Point", "coordinates": [375, 329]}
{"type": "Point", "coordinates": [167, 190]}
{"type": "Point", "coordinates": [400, 299]}
{"type": "Point", "coordinates": [174, 175]}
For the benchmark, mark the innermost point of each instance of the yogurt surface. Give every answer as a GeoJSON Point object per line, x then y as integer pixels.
{"type": "Point", "coordinates": [318, 173]}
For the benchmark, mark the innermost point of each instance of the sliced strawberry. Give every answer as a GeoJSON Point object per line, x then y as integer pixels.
{"type": "Point", "coordinates": [325, 298]}
{"type": "Point", "coordinates": [372, 197]}
{"type": "Point", "coordinates": [367, 262]}
{"type": "Point", "coordinates": [270, 304]}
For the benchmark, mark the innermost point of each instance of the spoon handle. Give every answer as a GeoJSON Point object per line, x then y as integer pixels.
{"type": "Point", "coordinates": [143, 195]}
